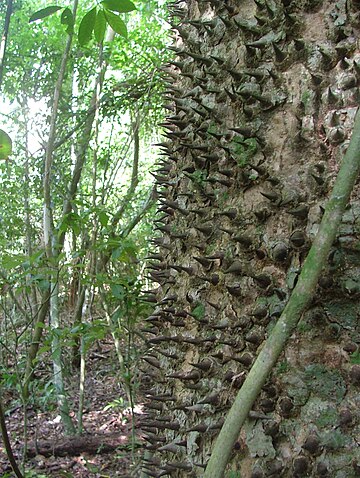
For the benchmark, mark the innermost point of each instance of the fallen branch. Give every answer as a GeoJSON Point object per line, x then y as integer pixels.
{"type": "Point", "coordinates": [72, 446]}
{"type": "Point", "coordinates": [298, 302]}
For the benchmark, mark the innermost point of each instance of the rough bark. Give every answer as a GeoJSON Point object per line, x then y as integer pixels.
{"type": "Point", "coordinates": [262, 99]}
{"type": "Point", "coordinates": [299, 301]}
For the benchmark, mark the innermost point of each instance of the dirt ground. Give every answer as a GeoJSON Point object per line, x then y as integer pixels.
{"type": "Point", "coordinates": [107, 419]}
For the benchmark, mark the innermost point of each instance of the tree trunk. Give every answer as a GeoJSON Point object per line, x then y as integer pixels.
{"type": "Point", "coordinates": [4, 38]}
{"type": "Point", "coordinates": [262, 96]}
{"type": "Point", "coordinates": [35, 342]}
{"type": "Point", "coordinates": [51, 243]}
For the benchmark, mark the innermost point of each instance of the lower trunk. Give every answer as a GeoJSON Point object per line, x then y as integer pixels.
{"type": "Point", "coordinates": [78, 313]}
{"type": "Point", "coordinates": [63, 404]}
{"type": "Point", "coordinates": [35, 342]}
{"type": "Point", "coordinates": [263, 96]}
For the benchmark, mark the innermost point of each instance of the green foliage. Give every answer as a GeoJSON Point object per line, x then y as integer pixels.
{"type": "Point", "coordinates": [44, 12]}
{"type": "Point", "coordinates": [100, 26]}
{"type": "Point", "coordinates": [117, 404]}
{"type": "Point", "coordinates": [67, 18]}
{"type": "Point", "coordinates": [33, 474]}
{"type": "Point", "coordinates": [117, 291]}
{"type": "Point", "coordinates": [282, 367]}
{"type": "Point", "coordinates": [125, 251]}
{"type": "Point", "coordinates": [120, 6]}
{"type": "Point", "coordinates": [116, 23]}
{"type": "Point", "coordinates": [5, 145]}
{"type": "Point", "coordinates": [86, 27]}
{"type": "Point", "coordinates": [95, 20]}
{"type": "Point", "coordinates": [46, 394]}
{"type": "Point", "coordinates": [131, 92]}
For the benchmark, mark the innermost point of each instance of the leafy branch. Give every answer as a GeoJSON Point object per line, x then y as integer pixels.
{"type": "Point", "coordinates": [94, 21]}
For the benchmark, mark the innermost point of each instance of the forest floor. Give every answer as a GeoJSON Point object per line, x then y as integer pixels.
{"type": "Point", "coordinates": [105, 449]}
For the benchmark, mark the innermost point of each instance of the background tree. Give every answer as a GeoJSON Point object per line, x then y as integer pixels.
{"type": "Point", "coordinates": [262, 102]}
{"type": "Point", "coordinates": [97, 188]}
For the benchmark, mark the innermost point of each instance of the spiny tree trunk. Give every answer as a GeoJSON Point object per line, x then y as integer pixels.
{"type": "Point", "coordinates": [262, 98]}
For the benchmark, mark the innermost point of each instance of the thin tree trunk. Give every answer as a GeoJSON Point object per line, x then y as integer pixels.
{"type": "Point", "coordinates": [35, 342]}
{"type": "Point", "coordinates": [85, 139]}
{"type": "Point", "coordinates": [76, 322]}
{"type": "Point", "coordinates": [56, 348]}
{"type": "Point", "coordinates": [134, 178]}
{"type": "Point", "coordinates": [83, 303]}
{"type": "Point", "coordinates": [4, 38]}
{"type": "Point", "coordinates": [51, 246]}
{"type": "Point", "coordinates": [7, 443]}
{"type": "Point", "coordinates": [82, 384]}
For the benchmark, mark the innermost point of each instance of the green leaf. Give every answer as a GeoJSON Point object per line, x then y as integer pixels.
{"type": "Point", "coordinates": [116, 23]}
{"type": "Point", "coordinates": [100, 26]}
{"type": "Point", "coordinates": [43, 284]}
{"type": "Point", "coordinates": [5, 145]}
{"type": "Point", "coordinates": [12, 260]}
{"type": "Point", "coordinates": [72, 221]}
{"type": "Point", "coordinates": [116, 253]}
{"type": "Point", "coordinates": [67, 19]}
{"type": "Point", "coordinates": [44, 12]}
{"type": "Point", "coordinates": [117, 315]}
{"type": "Point", "coordinates": [87, 26]}
{"type": "Point", "coordinates": [117, 291]}
{"type": "Point", "coordinates": [121, 6]}
{"type": "Point", "coordinates": [43, 349]}
{"type": "Point", "coordinates": [103, 218]}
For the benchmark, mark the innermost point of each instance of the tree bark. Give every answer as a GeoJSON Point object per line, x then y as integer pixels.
{"type": "Point", "coordinates": [300, 299]}
{"type": "Point", "coordinates": [262, 97]}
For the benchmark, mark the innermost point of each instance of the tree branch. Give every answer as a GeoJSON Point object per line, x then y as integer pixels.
{"type": "Point", "coordinates": [134, 178]}
{"type": "Point", "coordinates": [84, 144]}
{"type": "Point", "coordinates": [150, 201]}
{"type": "Point", "coordinates": [298, 302]}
